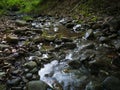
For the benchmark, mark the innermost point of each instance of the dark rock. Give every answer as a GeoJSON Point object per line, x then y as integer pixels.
{"type": "Point", "coordinates": [69, 46]}
{"type": "Point", "coordinates": [94, 86]}
{"type": "Point", "coordinates": [111, 83]}
{"type": "Point", "coordinates": [13, 82]}
{"type": "Point", "coordinates": [116, 44]}
{"type": "Point", "coordinates": [36, 85]}
{"type": "Point", "coordinates": [75, 64]}
{"type": "Point", "coordinates": [70, 25]}
{"type": "Point", "coordinates": [12, 39]}
{"type": "Point", "coordinates": [96, 26]}
{"type": "Point", "coordinates": [66, 39]}
{"type": "Point", "coordinates": [116, 61]}
{"type": "Point", "coordinates": [16, 72]}
{"type": "Point", "coordinates": [94, 69]}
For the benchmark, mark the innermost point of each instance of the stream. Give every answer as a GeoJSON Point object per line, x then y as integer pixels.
{"type": "Point", "coordinates": [58, 53]}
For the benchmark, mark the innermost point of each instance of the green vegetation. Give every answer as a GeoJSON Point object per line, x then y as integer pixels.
{"type": "Point", "coordinates": [19, 5]}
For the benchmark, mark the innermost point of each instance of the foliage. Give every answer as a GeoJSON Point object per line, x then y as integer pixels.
{"type": "Point", "coordinates": [19, 5]}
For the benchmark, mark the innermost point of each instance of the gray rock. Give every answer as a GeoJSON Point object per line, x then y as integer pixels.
{"type": "Point", "coordinates": [14, 82]}
{"type": "Point", "coordinates": [103, 39]}
{"type": "Point", "coordinates": [89, 34]}
{"type": "Point", "coordinates": [36, 85]}
{"type": "Point", "coordinates": [30, 64]}
{"type": "Point", "coordinates": [21, 23]}
{"type": "Point", "coordinates": [2, 74]}
{"type": "Point", "coordinates": [116, 43]}
{"type": "Point", "coordinates": [29, 76]}
{"type": "Point", "coordinates": [4, 46]}
{"type": "Point", "coordinates": [111, 83]}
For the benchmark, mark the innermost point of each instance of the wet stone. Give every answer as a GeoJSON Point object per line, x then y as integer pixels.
{"type": "Point", "coordinates": [111, 83]}
{"type": "Point", "coordinates": [69, 45]}
{"type": "Point", "coordinates": [12, 39]}
{"type": "Point", "coordinates": [30, 64]}
{"type": "Point", "coordinates": [2, 74]}
{"type": "Point", "coordinates": [103, 39]}
{"type": "Point", "coordinates": [29, 76]}
{"type": "Point", "coordinates": [36, 85]}
{"type": "Point", "coordinates": [21, 23]}
{"type": "Point", "coordinates": [34, 70]}
{"type": "Point", "coordinates": [4, 46]}
{"type": "Point", "coordinates": [89, 34]}
{"type": "Point", "coordinates": [70, 25]}
{"type": "Point", "coordinates": [66, 39]}
{"type": "Point", "coordinates": [75, 64]}
{"type": "Point", "coordinates": [96, 26]}
{"type": "Point", "coordinates": [116, 61]}
{"type": "Point", "coordinates": [13, 82]}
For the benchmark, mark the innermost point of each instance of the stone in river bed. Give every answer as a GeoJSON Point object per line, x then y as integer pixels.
{"type": "Point", "coordinates": [36, 85]}
{"type": "Point", "coordinates": [4, 46]}
{"type": "Point", "coordinates": [2, 74]}
{"type": "Point", "coordinates": [14, 82]}
{"type": "Point", "coordinates": [30, 64]}
{"type": "Point", "coordinates": [69, 45]}
{"type": "Point", "coordinates": [21, 23]}
{"type": "Point", "coordinates": [12, 39]}
{"type": "Point", "coordinates": [74, 64]}
{"type": "Point", "coordinates": [111, 83]}
{"type": "Point", "coordinates": [29, 76]}
{"type": "Point", "coordinates": [94, 86]}
{"type": "Point", "coordinates": [103, 39]}
{"type": "Point", "coordinates": [70, 25]}
{"type": "Point", "coordinates": [89, 34]}
{"type": "Point", "coordinates": [116, 61]}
